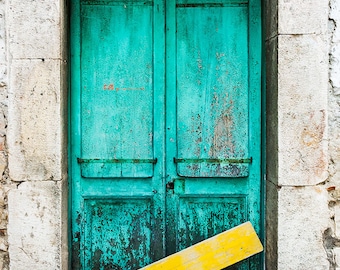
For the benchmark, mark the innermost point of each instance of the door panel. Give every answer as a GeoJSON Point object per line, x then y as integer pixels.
{"type": "Point", "coordinates": [200, 217]}
{"type": "Point", "coordinates": [117, 89]}
{"type": "Point", "coordinates": [119, 232]}
{"type": "Point", "coordinates": [212, 89]}
{"type": "Point", "coordinates": [165, 127]}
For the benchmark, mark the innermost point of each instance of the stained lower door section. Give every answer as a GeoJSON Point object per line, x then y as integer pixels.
{"type": "Point", "coordinates": [165, 127]}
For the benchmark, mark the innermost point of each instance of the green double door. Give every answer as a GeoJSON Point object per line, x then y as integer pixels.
{"type": "Point", "coordinates": [165, 127]}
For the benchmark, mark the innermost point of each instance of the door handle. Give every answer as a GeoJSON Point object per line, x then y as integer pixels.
{"type": "Point", "coordinates": [176, 185]}
{"type": "Point", "coordinates": [170, 185]}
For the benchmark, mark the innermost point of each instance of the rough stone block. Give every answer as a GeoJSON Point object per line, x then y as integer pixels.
{"type": "Point", "coordinates": [3, 78]}
{"type": "Point", "coordinates": [37, 129]}
{"type": "Point", "coordinates": [3, 244]}
{"type": "Point", "coordinates": [303, 217]}
{"type": "Point", "coordinates": [3, 162]}
{"type": "Point", "coordinates": [34, 229]}
{"type": "Point", "coordinates": [336, 209]}
{"type": "Point", "coordinates": [334, 149]}
{"type": "Point", "coordinates": [3, 212]}
{"type": "Point", "coordinates": [334, 15]}
{"type": "Point", "coordinates": [34, 28]}
{"type": "Point", "coordinates": [303, 16]}
{"type": "Point", "coordinates": [335, 65]}
{"type": "Point", "coordinates": [303, 73]}
{"type": "Point", "coordinates": [336, 252]}
{"type": "Point", "coordinates": [302, 110]}
{"type": "Point", "coordinates": [2, 34]}
{"type": "Point", "coordinates": [4, 261]}
{"type": "Point", "coordinates": [303, 157]}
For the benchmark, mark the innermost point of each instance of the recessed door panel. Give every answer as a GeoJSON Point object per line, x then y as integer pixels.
{"type": "Point", "coordinates": [116, 89]}
{"type": "Point", "coordinates": [117, 232]}
{"type": "Point", "coordinates": [212, 90]}
{"type": "Point", "coordinates": [200, 217]}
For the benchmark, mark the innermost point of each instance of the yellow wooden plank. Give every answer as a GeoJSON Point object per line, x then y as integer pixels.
{"type": "Point", "coordinates": [214, 253]}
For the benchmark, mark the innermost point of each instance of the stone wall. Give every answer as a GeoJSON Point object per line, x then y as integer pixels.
{"type": "Point", "coordinates": [332, 234]}
{"type": "Point", "coordinates": [5, 183]}
{"type": "Point", "coordinates": [300, 136]}
{"type": "Point", "coordinates": [33, 190]}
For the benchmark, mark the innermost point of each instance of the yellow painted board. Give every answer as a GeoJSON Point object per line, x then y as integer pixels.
{"type": "Point", "coordinates": [215, 253]}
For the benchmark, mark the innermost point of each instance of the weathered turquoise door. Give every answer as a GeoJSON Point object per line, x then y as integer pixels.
{"type": "Point", "coordinates": [165, 127]}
